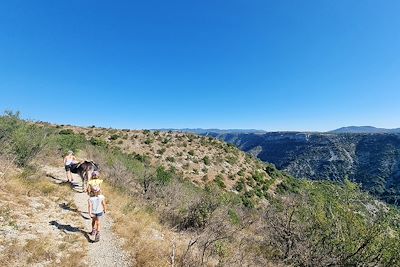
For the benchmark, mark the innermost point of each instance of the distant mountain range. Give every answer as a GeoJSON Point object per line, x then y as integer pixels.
{"type": "Point", "coordinates": [364, 129]}
{"type": "Point", "coordinates": [204, 131]}
{"type": "Point", "coordinates": [348, 129]}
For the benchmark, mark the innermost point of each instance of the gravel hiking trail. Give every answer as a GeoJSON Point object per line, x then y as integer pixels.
{"type": "Point", "coordinates": [108, 251]}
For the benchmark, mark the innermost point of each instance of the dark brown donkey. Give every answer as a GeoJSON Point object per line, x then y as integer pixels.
{"type": "Point", "coordinates": [85, 170]}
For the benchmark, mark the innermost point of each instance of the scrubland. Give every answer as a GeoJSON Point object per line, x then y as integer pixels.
{"type": "Point", "coordinates": [184, 200]}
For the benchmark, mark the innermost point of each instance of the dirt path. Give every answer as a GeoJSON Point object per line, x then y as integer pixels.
{"type": "Point", "coordinates": [108, 251]}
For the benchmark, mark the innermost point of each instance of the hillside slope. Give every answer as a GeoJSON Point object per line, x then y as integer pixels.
{"type": "Point", "coordinates": [169, 218]}
{"type": "Point", "coordinates": [197, 158]}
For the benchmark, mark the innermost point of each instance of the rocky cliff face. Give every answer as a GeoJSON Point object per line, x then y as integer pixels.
{"type": "Point", "coordinates": [372, 160]}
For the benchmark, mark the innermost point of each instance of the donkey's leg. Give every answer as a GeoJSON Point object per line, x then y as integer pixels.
{"type": "Point", "coordinates": [88, 176]}
{"type": "Point", "coordinates": [84, 181]}
{"type": "Point", "coordinates": [89, 173]}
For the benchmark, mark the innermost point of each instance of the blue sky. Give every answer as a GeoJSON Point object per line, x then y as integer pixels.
{"type": "Point", "coordinates": [273, 65]}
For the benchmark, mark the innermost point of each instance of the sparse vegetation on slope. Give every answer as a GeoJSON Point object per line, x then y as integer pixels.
{"type": "Point", "coordinates": [191, 156]}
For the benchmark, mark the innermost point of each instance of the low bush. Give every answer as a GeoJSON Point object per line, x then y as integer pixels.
{"type": "Point", "coordinates": [198, 214]}
{"type": "Point", "coordinates": [68, 142]}
{"type": "Point", "coordinates": [219, 180]}
{"type": "Point", "coordinates": [170, 159]}
{"type": "Point", "coordinates": [163, 176]}
{"type": "Point", "coordinates": [23, 140]}
{"type": "Point", "coordinates": [149, 141]}
{"type": "Point", "coordinates": [240, 185]}
{"type": "Point", "coordinates": [98, 142]}
{"type": "Point", "coordinates": [114, 137]}
{"type": "Point", "coordinates": [206, 160]}
{"type": "Point", "coordinates": [66, 132]}
{"type": "Point", "coordinates": [161, 151]}
{"type": "Point", "coordinates": [231, 159]}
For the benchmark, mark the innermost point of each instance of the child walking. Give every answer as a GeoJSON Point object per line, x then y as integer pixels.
{"type": "Point", "coordinates": [97, 208]}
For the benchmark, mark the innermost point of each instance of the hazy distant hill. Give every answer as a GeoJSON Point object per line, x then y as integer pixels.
{"type": "Point", "coordinates": [372, 160]}
{"type": "Point", "coordinates": [365, 129]}
{"type": "Point", "coordinates": [203, 131]}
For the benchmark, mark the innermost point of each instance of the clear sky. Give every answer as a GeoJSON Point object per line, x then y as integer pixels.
{"type": "Point", "coordinates": [273, 65]}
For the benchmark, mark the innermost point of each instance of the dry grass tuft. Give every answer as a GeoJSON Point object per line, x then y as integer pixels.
{"type": "Point", "coordinates": [149, 243]}
{"type": "Point", "coordinates": [39, 250]}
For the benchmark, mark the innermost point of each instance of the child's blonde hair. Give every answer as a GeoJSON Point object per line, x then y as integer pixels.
{"type": "Point", "coordinates": [95, 191]}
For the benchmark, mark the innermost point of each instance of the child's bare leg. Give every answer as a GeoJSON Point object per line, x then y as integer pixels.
{"type": "Point", "coordinates": [98, 224]}
{"type": "Point", "coordinates": [97, 237]}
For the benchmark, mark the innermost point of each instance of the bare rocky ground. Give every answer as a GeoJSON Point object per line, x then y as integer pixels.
{"type": "Point", "coordinates": [108, 251]}
{"type": "Point", "coordinates": [39, 230]}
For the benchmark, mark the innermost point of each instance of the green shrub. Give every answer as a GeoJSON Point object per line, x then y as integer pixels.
{"type": "Point", "coordinates": [98, 142]}
{"type": "Point", "coordinates": [68, 142]}
{"type": "Point", "coordinates": [288, 185]}
{"type": "Point", "coordinates": [20, 138]}
{"type": "Point", "coordinates": [140, 157]}
{"type": "Point", "coordinates": [258, 192]}
{"type": "Point", "coordinates": [114, 137]}
{"type": "Point", "coordinates": [258, 176]}
{"type": "Point", "coordinates": [170, 159]}
{"type": "Point", "coordinates": [250, 181]}
{"type": "Point", "coordinates": [247, 201]}
{"type": "Point", "coordinates": [241, 172]}
{"type": "Point", "coordinates": [27, 141]}
{"type": "Point", "coordinates": [240, 185]}
{"type": "Point", "coordinates": [191, 152]}
{"type": "Point", "coordinates": [161, 151]}
{"type": "Point", "coordinates": [148, 141]}
{"type": "Point", "coordinates": [198, 214]}
{"type": "Point", "coordinates": [219, 180]}
{"type": "Point", "coordinates": [66, 131]}
{"type": "Point", "coordinates": [163, 176]}
{"type": "Point", "coordinates": [206, 160]}
{"type": "Point", "coordinates": [15, 137]}
{"type": "Point", "coordinates": [231, 159]}
{"type": "Point", "coordinates": [234, 217]}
